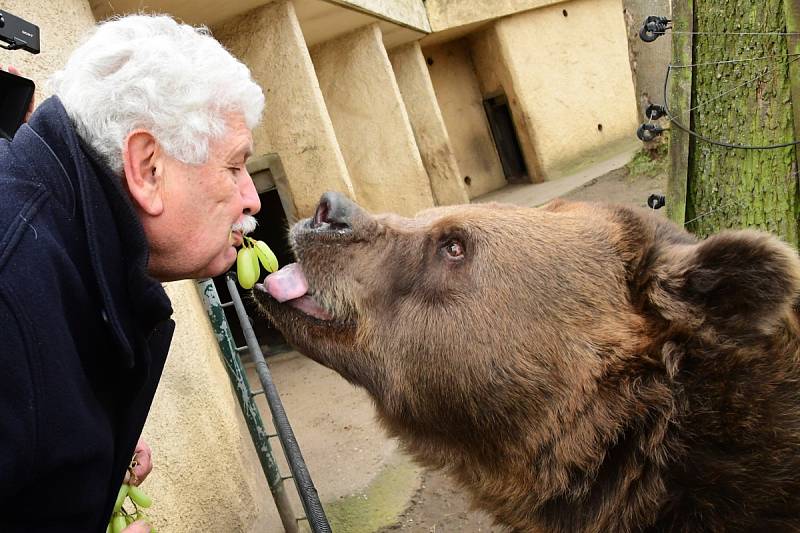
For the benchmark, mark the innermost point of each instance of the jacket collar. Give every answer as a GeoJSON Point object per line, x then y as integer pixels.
{"type": "Point", "coordinates": [132, 300]}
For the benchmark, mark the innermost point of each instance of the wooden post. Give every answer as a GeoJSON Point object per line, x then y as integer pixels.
{"type": "Point", "coordinates": [792, 10]}
{"type": "Point", "coordinates": [679, 97]}
{"type": "Point", "coordinates": [743, 101]}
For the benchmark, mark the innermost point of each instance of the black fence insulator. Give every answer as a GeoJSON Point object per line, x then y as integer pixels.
{"type": "Point", "coordinates": [656, 201]}
{"type": "Point", "coordinates": [653, 28]}
{"type": "Point", "coordinates": [655, 112]}
{"type": "Point", "coordinates": [648, 132]}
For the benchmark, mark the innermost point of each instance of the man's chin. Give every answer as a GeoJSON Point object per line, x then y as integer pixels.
{"type": "Point", "coordinates": [220, 264]}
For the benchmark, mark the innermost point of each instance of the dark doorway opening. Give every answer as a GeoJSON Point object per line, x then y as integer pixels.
{"type": "Point", "coordinates": [505, 138]}
{"type": "Point", "coordinates": [272, 229]}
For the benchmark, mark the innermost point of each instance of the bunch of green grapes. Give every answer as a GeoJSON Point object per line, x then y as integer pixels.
{"type": "Point", "coordinates": [121, 517]}
{"type": "Point", "coordinates": [250, 255]}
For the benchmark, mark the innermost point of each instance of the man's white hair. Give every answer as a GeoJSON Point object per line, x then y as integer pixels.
{"type": "Point", "coordinates": [151, 72]}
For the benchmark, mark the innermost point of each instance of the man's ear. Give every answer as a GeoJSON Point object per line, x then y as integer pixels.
{"type": "Point", "coordinates": [143, 167]}
{"type": "Point", "coordinates": [738, 280]}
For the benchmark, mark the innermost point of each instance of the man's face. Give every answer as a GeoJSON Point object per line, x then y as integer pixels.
{"type": "Point", "coordinates": [201, 205]}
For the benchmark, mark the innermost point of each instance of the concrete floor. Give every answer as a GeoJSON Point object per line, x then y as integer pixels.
{"type": "Point", "coordinates": [349, 458]}
{"type": "Point", "coordinates": [364, 480]}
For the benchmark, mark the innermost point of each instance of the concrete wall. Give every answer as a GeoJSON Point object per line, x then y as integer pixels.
{"type": "Point", "coordinates": [426, 119]}
{"type": "Point", "coordinates": [371, 122]}
{"type": "Point", "coordinates": [296, 124]}
{"type": "Point", "coordinates": [459, 95]}
{"type": "Point", "coordinates": [62, 24]}
{"type": "Point", "coordinates": [206, 474]}
{"type": "Point", "coordinates": [648, 60]}
{"type": "Point", "coordinates": [579, 106]}
{"type": "Point", "coordinates": [447, 14]}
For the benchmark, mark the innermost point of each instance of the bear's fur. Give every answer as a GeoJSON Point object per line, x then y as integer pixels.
{"type": "Point", "coordinates": [577, 368]}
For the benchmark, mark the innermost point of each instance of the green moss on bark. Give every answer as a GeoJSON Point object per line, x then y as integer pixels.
{"type": "Point", "coordinates": [734, 188]}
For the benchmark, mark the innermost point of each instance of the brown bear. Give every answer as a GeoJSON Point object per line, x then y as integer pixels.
{"type": "Point", "coordinates": [576, 367]}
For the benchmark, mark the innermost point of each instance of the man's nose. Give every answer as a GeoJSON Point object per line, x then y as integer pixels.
{"type": "Point", "coordinates": [251, 203]}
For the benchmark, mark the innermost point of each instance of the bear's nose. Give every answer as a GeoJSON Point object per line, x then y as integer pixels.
{"type": "Point", "coordinates": [334, 209]}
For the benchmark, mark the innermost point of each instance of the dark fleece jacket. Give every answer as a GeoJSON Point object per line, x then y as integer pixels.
{"type": "Point", "coordinates": [84, 331]}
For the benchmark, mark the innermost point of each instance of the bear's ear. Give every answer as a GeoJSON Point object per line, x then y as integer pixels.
{"type": "Point", "coordinates": [739, 279]}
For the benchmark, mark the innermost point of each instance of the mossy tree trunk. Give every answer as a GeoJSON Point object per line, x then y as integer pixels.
{"type": "Point", "coordinates": [736, 188]}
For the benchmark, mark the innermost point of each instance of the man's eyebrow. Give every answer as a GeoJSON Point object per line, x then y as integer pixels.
{"type": "Point", "coordinates": [244, 152]}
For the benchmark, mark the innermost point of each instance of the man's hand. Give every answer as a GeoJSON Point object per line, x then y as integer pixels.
{"type": "Point", "coordinates": [140, 526]}
{"type": "Point", "coordinates": [13, 70]}
{"type": "Point", "coordinates": [141, 465]}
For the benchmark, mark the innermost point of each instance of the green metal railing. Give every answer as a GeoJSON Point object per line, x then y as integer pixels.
{"type": "Point", "coordinates": [245, 396]}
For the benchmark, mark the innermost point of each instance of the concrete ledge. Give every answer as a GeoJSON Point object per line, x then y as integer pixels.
{"type": "Point", "coordinates": [532, 195]}
{"type": "Point", "coordinates": [407, 13]}
{"type": "Point", "coordinates": [447, 14]}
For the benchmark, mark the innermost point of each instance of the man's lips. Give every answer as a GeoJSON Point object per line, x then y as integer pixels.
{"type": "Point", "coordinates": [236, 238]}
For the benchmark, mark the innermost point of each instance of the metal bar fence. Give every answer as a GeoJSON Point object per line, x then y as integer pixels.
{"type": "Point", "coordinates": [314, 513]}
{"type": "Point", "coordinates": [244, 395]}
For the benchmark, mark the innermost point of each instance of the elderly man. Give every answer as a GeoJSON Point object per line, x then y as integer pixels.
{"type": "Point", "coordinates": [131, 175]}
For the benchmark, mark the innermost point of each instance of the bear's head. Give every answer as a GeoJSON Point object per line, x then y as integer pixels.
{"type": "Point", "coordinates": [495, 338]}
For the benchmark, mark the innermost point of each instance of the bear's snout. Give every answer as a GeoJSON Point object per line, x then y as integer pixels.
{"type": "Point", "coordinates": [334, 209]}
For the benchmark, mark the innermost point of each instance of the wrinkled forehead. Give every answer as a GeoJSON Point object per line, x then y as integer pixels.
{"type": "Point", "coordinates": [235, 143]}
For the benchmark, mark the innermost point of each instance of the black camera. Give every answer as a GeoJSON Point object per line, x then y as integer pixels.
{"type": "Point", "coordinates": [16, 93]}
{"type": "Point", "coordinates": [18, 34]}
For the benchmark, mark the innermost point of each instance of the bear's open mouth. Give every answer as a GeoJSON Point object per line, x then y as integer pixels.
{"type": "Point", "coordinates": [289, 286]}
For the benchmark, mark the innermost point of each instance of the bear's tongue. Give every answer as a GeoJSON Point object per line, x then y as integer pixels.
{"type": "Point", "coordinates": [289, 285]}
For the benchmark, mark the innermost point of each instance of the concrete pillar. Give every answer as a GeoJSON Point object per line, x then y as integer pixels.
{"type": "Point", "coordinates": [371, 122]}
{"type": "Point", "coordinates": [427, 123]}
{"type": "Point", "coordinates": [491, 67]}
{"type": "Point", "coordinates": [296, 124]}
{"type": "Point", "coordinates": [458, 93]}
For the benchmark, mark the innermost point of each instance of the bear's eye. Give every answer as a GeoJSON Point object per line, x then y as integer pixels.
{"type": "Point", "coordinates": [454, 249]}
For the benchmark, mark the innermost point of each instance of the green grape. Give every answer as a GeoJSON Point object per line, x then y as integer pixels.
{"type": "Point", "coordinates": [139, 498]}
{"type": "Point", "coordinates": [247, 274]}
{"type": "Point", "coordinates": [118, 523]}
{"type": "Point", "coordinates": [254, 259]}
{"type": "Point", "coordinates": [123, 491]}
{"type": "Point", "coordinates": [108, 527]}
{"type": "Point", "coordinates": [266, 256]}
